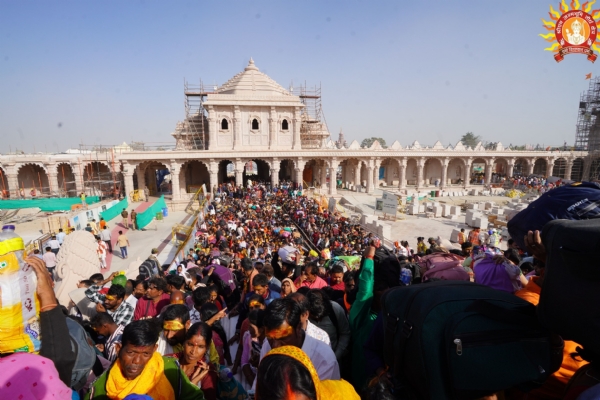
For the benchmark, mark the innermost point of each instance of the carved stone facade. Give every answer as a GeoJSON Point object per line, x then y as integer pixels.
{"type": "Point", "coordinates": [254, 128]}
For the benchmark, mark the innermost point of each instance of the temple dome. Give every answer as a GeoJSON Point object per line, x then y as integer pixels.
{"type": "Point", "coordinates": [252, 82]}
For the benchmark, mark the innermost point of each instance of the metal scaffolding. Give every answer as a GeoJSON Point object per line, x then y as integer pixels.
{"type": "Point", "coordinates": [192, 134]}
{"type": "Point", "coordinates": [587, 136]}
{"type": "Point", "coordinates": [313, 129]}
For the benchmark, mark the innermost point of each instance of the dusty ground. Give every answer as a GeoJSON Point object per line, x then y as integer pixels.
{"type": "Point", "coordinates": [413, 226]}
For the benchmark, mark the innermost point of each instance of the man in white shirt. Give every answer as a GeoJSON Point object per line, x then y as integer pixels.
{"type": "Point", "coordinates": [105, 235]}
{"type": "Point", "coordinates": [61, 236]}
{"type": "Point", "coordinates": [54, 244]}
{"type": "Point", "coordinates": [50, 259]}
{"type": "Point", "coordinates": [283, 328]}
{"type": "Point", "coordinates": [101, 250]}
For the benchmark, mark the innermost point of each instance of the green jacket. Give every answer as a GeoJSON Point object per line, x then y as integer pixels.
{"type": "Point", "coordinates": [362, 320]}
{"type": "Point", "coordinates": [183, 388]}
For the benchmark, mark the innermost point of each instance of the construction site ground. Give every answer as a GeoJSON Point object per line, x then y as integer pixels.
{"type": "Point", "coordinates": [409, 227]}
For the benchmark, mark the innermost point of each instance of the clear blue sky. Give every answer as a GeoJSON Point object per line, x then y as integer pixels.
{"type": "Point", "coordinates": [113, 71]}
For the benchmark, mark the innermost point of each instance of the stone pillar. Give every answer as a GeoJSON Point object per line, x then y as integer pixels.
{"type": "Point", "coordinates": [273, 129]}
{"type": "Point", "coordinates": [444, 182]}
{"type": "Point", "coordinates": [370, 177]}
{"type": "Point", "coordinates": [402, 164]}
{"type": "Point", "coordinates": [333, 176]}
{"type": "Point", "coordinates": [297, 143]}
{"type": "Point", "coordinates": [467, 173]}
{"type": "Point", "coordinates": [489, 169]}
{"type": "Point", "coordinates": [569, 169]}
{"type": "Point", "coordinates": [357, 170]}
{"type": "Point", "coordinates": [376, 166]}
{"type": "Point", "coordinates": [531, 167]}
{"type": "Point", "coordinates": [213, 128]}
{"type": "Point", "coordinates": [128, 175]}
{"type": "Point", "coordinates": [12, 179]}
{"type": "Point", "coordinates": [237, 129]}
{"type": "Point", "coordinates": [239, 173]}
{"type": "Point", "coordinates": [213, 170]}
{"type": "Point", "coordinates": [549, 167]}
{"type": "Point", "coordinates": [274, 177]}
{"type": "Point", "coordinates": [420, 169]}
{"type": "Point", "coordinates": [511, 168]}
{"type": "Point", "coordinates": [141, 180]}
{"type": "Point", "coordinates": [299, 170]}
{"type": "Point", "coordinates": [323, 179]}
{"type": "Point", "coordinates": [174, 170]}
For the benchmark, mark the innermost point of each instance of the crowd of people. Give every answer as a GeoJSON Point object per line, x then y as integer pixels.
{"type": "Point", "coordinates": [278, 298]}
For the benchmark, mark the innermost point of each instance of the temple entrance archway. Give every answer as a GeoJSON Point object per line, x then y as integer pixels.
{"type": "Point", "coordinates": [256, 171]}
{"type": "Point", "coordinates": [316, 173]}
{"type": "Point", "coordinates": [500, 170]}
{"type": "Point", "coordinates": [456, 170]}
{"type": "Point", "coordinates": [560, 168]}
{"type": "Point", "coordinates": [540, 166]}
{"type": "Point", "coordinates": [389, 173]}
{"type": "Point", "coordinates": [577, 170]}
{"type": "Point", "coordinates": [286, 170]}
{"type": "Point", "coordinates": [158, 178]}
{"type": "Point", "coordinates": [226, 172]}
{"type": "Point", "coordinates": [412, 172]}
{"type": "Point", "coordinates": [432, 172]}
{"type": "Point", "coordinates": [98, 179]}
{"type": "Point", "coordinates": [193, 175]}
{"type": "Point", "coordinates": [521, 167]}
{"type": "Point", "coordinates": [33, 181]}
{"type": "Point", "coordinates": [477, 173]}
{"type": "Point", "coordinates": [66, 181]}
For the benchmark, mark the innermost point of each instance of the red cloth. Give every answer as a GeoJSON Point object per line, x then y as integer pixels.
{"type": "Point", "coordinates": [317, 284]}
{"type": "Point", "coordinates": [147, 308]}
{"type": "Point", "coordinates": [339, 286]}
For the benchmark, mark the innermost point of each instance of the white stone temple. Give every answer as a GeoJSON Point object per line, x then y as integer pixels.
{"type": "Point", "coordinates": [251, 128]}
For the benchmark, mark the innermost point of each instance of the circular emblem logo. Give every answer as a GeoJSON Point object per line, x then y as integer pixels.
{"type": "Point", "coordinates": [576, 28]}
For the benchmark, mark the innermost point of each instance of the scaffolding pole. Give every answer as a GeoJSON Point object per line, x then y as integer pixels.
{"type": "Point", "coordinates": [587, 136]}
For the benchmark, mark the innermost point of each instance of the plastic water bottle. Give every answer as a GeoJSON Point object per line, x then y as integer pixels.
{"type": "Point", "coordinates": [406, 276]}
{"type": "Point", "coordinates": [19, 319]}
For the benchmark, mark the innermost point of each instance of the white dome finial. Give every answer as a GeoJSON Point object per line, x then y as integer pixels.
{"type": "Point", "coordinates": [251, 66]}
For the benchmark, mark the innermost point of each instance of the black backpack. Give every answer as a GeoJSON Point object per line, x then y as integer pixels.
{"type": "Point", "coordinates": [460, 340]}
{"type": "Point", "coordinates": [572, 283]}
{"type": "Point", "coordinates": [146, 269]}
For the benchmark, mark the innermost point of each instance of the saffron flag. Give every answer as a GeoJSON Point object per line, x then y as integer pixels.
{"type": "Point", "coordinates": [588, 76]}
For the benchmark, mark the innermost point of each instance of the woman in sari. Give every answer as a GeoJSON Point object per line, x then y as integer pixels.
{"type": "Point", "coordinates": [287, 287]}
{"type": "Point", "coordinates": [286, 373]}
{"type": "Point", "coordinates": [194, 359]}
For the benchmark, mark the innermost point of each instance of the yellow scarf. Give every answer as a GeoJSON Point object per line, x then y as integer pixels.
{"type": "Point", "coordinates": [152, 381]}
{"type": "Point", "coordinates": [327, 389]}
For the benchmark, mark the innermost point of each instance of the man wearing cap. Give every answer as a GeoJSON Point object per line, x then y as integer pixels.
{"type": "Point", "coordinates": [113, 302]}
{"type": "Point", "coordinates": [154, 260]}
{"type": "Point", "coordinates": [432, 244]}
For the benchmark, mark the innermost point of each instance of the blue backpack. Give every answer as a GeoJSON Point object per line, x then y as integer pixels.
{"type": "Point", "coordinates": [576, 201]}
